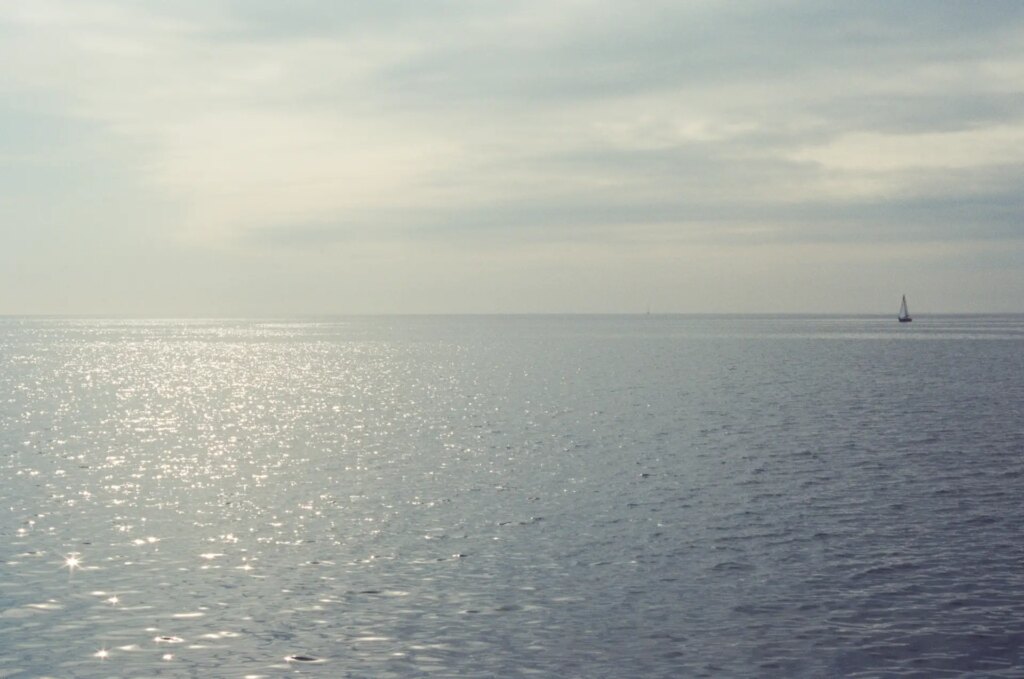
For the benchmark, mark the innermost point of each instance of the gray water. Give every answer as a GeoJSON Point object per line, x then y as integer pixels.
{"type": "Point", "coordinates": [512, 496]}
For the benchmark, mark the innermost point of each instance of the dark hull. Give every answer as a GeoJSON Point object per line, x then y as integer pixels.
{"type": "Point", "coordinates": [906, 320]}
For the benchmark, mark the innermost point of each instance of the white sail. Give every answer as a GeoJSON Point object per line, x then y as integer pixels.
{"type": "Point", "coordinates": [904, 312]}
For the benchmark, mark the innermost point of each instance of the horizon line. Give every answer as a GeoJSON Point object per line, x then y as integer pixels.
{"type": "Point", "coordinates": [407, 314]}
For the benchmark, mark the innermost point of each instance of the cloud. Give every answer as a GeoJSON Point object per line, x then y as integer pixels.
{"type": "Point", "coordinates": [953, 150]}
{"type": "Point", "coordinates": [254, 125]}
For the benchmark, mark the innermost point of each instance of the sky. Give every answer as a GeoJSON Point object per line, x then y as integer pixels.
{"type": "Point", "coordinates": [269, 158]}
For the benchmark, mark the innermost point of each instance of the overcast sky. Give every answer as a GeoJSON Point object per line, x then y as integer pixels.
{"type": "Point", "coordinates": [249, 157]}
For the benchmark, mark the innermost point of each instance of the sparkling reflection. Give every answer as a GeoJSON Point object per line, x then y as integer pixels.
{"type": "Point", "coordinates": [507, 497]}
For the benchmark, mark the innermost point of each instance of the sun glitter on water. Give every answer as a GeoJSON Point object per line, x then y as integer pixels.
{"type": "Point", "coordinates": [72, 562]}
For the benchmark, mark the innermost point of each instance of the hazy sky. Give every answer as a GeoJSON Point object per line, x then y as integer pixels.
{"type": "Point", "coordinates": [241, 157]}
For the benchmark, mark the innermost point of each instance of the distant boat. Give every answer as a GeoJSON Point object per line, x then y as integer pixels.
{"type": "Point", "coordinates": [904, 314]}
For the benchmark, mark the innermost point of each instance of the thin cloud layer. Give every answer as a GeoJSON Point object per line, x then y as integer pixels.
{"type": "Point", "coordinates": [269, 147]}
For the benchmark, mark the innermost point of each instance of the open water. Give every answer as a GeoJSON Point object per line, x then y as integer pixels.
{"type": "Point", "coordinates": [661, 496]}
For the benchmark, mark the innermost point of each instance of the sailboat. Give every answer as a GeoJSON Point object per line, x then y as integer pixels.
{"type": "Point", "coordinates": [904, 314]}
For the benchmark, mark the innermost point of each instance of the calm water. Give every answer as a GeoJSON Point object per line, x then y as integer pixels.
{"type": "Point", "coordinates": [512, 496]}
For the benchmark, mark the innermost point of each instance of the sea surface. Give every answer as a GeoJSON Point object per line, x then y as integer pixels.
{"type": "Point", "coordinates": [548, 496]}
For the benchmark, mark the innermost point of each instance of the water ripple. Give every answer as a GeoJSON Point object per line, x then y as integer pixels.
{"type": "Point", "coordinates": [585, 497]}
